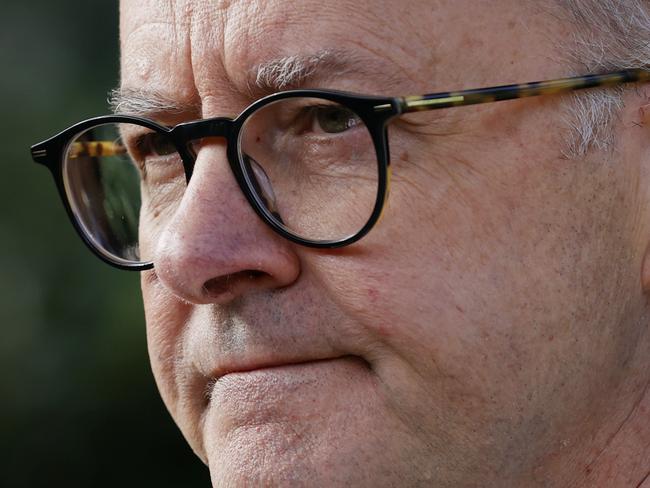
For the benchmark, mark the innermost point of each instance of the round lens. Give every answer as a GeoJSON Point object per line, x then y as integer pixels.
{"type": "Point", "coordinates": [120, 180]}
{"type": "Point", "coordinates": [312, 166]}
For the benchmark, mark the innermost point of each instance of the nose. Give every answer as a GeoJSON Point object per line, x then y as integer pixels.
{"type": "Point", "coordinates": [215, 248]}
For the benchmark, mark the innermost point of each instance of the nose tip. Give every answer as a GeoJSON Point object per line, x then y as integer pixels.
{"type": "Point", "coordinates": [216, 248]}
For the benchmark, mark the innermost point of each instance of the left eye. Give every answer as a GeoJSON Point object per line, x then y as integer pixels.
{"type": "Point", "coordinates": [334, 119]}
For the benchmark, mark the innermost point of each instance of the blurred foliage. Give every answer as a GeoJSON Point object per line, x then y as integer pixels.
{"type": "Point", "coordinates": [78, 402]}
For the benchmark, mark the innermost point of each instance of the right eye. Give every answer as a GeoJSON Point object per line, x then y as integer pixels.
{"type": "Point", "coordinates": [155, 155]}
{"type": "Point", "coordinates": [153, 145]}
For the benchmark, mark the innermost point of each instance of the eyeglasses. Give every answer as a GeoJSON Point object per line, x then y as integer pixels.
{"type": "Point", "coordinates": [313, 164]}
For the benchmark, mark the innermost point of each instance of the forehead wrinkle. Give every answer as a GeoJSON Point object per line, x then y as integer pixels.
{"type": "Point", "coordinates": [148, 103]}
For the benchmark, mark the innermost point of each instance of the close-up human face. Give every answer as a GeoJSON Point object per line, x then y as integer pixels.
{"type": "Point", "coordinates": [469, 339]}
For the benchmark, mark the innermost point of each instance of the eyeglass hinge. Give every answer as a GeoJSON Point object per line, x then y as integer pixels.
{"type": "Point", "coordinates": [397, 106]}
{"type": "Point", "coordinates": [39, 153]}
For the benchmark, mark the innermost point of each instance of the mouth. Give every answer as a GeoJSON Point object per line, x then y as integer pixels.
{"type": "Point", "coordinates": [220, 373]}
{"type": "Point", "coordinates": [276, 372]}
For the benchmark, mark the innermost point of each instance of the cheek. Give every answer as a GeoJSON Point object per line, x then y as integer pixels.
{"type": "Point", "coordinates": [159, 205]}
{"type": "Point", "coordinates": [482, 285]}
{"type": "Point", "coordinates": [165, 318]}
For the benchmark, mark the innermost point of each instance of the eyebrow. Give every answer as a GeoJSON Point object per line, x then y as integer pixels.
{"type": "Point", "coordinates": [147, 103]}
{"type": "Point", "coordinates": [290, 72]}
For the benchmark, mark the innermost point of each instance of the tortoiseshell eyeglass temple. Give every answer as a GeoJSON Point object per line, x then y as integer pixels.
{"type": "Point", "coordinates": [95, 149]}
{"type": "Point", "coordinates": [510, 92]}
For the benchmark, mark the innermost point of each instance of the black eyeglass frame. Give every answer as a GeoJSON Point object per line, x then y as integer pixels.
{"type": "Point", "coordinates": [375, 112]}
{"type": "Point", "coordinates": [51, 153]}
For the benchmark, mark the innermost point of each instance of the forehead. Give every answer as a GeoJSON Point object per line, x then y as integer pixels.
{"type": "Point", "coordinates": [198, 49]}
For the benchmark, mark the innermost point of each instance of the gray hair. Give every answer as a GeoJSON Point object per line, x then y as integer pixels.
{"type": "Point", "coordinates": [608, 35]}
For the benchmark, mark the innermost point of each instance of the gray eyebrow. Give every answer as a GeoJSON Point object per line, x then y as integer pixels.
{"type": "Point", "coordinates": [292, 71]}
{"type": "Point", "coordinates": [144, 103]}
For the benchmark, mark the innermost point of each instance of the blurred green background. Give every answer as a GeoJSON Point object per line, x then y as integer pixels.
{"type": "Point", "coordinates": [78, 404]}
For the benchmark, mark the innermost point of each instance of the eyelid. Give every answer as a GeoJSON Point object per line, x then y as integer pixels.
{"type": "Point", "coordinates": [133, 144]}
{"type": "Point", "coordinates": [145, 142]}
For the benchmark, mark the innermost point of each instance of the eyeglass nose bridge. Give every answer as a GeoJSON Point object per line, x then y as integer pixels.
{"type": "Point", "coordinates": [185, 134]}
{"type": "Point", "coordinates": [216, 127]}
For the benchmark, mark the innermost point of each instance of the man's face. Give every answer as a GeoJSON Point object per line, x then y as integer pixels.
{"type": "Point", "coordinates": [462, 339]}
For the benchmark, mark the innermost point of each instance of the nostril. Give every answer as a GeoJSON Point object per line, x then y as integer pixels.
{"type": "Point", "coordinates": [229, 283]}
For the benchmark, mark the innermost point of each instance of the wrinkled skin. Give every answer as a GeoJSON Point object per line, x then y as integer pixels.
{"type": "Point", "coordinates": [492, 329]}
